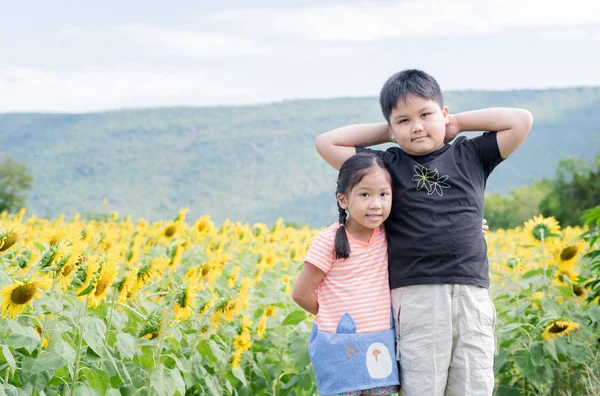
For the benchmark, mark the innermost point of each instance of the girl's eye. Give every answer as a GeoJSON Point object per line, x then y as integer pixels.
{"type": "Point", "coordinates": [425, 114]}
{"type": "Point", "coordinates": [364, 195]}
{"type": "Point", "coordinates": [384, 194]}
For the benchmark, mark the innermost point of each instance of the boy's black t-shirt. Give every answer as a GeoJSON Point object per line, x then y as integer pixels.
{"type": "Point", "coordinates": [434, 228]}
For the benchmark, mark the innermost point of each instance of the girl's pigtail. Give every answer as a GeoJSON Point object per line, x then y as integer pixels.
{"type": "Point", "coordinates": [342, 246]}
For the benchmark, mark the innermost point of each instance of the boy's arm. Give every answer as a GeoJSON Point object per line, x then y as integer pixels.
{"type": "Point", "coordinates": [512, 125]}
{"type": "Point", "coordinates": [304, 290]}
{"type": "Point", "coordinates": [337, 145]}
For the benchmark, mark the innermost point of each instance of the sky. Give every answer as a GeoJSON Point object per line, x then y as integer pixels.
{"type": "Point", "coordinates": [74, 56]}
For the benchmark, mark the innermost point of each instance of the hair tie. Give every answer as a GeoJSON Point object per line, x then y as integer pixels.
{"type": "Point", "coordinates": [341, 224]}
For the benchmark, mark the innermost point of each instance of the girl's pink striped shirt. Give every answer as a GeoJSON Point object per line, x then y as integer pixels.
{"type": "Point", "coordinates": [358, 285]}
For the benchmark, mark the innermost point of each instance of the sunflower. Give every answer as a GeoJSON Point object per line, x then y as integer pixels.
{"type": "Point", "coordinates": [231, 281]}
{"type": "Point", "coordinates": [566, 253]}
{"type": "Point", "coordinates": [542, 227]}
{"type": "Point", "coordinates": [124, 286]}
{"type": "Point", "coordinates": [7, 239]}
{"type": "Point", "coordinates": [261, 328]}
{"type": "Point", "coordinates": [18, 296]}
{"type": "Point", "coordinates": [204, 225]}
{"type": "Point", "coordinates": [186, 300]}
{"type": "Point", "coordinates": [170, 230]}
{"type": "Point", "coordinates": [106, 276]}
{"type": "Point", "coordinates": [558, 329]}
{"type": "Point", "coordinates": [151, 326]}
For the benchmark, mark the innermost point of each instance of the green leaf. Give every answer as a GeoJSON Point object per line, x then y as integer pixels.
{"type": "Point", "coordinates": [508, 391]}
{"type": "Point", "coordinates": [125, 345]}
{"type": "Point", "coordinates": [509, 327]}
{"type": "Point", "coordinates": [178, 381]}
{"type": "Point", "coordinates": [97, 379]}
{"type": "Point", "coordinates": [288, 380]}
{"type": "Point", "coordinates": [49, 361]}
{"type": "Point", "coordinates": [499, 361]}
{"type": "Point", "coordinates": [217, 352]}
{"type": "Point", "coordinates": [87, 290]}
{"type": "Point", "coordinates": [39, 246]}
{"type": "Point", "coordinates": [93, 334]}
{"type": "Point", "coordinates": [37, 380]}
{"type": "Point", "coordinates": [213, 385]}
{"type": "Point", "coordinates": [22, 337]}
{"type": "Point", "coordinates": [8, 357]}
{"type": "Point", "coordinates": [532, 273]}
{"type": "Point", "coordinates": [239, 374]}
{"type": "Point", "coordinates": [158, 382]}
{"type": "Point", "coordinates": [535, 354]}
{"type": "Point", "coordinates": [147, 357]}
{"type": "Point", "coordinates": [550, 347]}
{"type": "Point", "coordinates": [204, 350]}
{"type": "Point", "coordinates": [523, 362]}
{"type": "Point", "coordinates": [299, 352]}
{"type": "Point", "coordinates": [294, 318]}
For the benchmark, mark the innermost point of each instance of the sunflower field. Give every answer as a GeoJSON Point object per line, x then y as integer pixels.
{"type": "Point", "coordinates": [116, 307]}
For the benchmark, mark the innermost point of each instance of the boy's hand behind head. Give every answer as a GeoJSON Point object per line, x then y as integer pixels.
{"type": "Point", "coordinates": [452, 129]}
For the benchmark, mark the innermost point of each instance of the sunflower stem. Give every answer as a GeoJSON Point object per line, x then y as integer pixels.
{"type": "Point", "coordinates": [163, 327]}
{"type": "Point", "coordinates": [79, 344]}
{"type": "Point", "coordinates": [112, 309]}
{"type": "Point", "coordinates": [43, 327]}
{"type": "Point", "coordinates": [543, 256]}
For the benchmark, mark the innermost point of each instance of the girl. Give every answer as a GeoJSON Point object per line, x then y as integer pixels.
{"type": "Point", "coordinates": [345, 283]}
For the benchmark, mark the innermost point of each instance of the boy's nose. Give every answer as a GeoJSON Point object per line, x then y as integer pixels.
{"type": "Point", "coordinates": [417, 127]}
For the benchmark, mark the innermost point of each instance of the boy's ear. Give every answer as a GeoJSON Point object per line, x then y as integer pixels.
{"type": "Point", "coordinates": [446, 113]}
{"type": "Point", "coordinates": [341, 198]}
{"type": "Point", "coordinates": [391, 133]}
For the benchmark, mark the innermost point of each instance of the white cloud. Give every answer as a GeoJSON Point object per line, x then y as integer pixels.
{"type": "Point", "coordinates": [103, 88]}
{"type": "Point", "coordinates": [367, 22]}
{"type": "Point", "coordinates": [191, 43]}
{"type": "Point", "coordinates": [583, 33]}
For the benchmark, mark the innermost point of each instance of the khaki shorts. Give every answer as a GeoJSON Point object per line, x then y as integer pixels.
{"type": "Point", "coordinates": [445, 340]}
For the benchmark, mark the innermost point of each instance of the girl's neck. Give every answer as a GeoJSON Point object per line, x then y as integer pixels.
{"type": "Point", "coordinates": [357, 231]}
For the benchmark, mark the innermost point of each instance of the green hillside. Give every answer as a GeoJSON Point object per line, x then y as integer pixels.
{"type": "Point", "coordinates": [250, 163]}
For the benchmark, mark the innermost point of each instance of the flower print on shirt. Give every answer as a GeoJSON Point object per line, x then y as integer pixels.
{"type": "Point", "coordinates": [430, 180]}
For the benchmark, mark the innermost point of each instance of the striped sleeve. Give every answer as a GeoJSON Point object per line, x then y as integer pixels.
{"type": "Point", "coordinates": [321, 252]}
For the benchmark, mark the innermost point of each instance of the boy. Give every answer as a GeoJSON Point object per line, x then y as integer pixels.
{"type": "Point", "coordinates": [438, 264]}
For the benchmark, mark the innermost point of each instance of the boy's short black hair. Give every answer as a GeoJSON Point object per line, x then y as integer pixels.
{"type": "Point", "coordinates": [405, 83]}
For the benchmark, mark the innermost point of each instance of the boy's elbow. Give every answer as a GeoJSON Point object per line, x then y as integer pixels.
{"type": "Point", "coordinates": [527, 120]}
{"type": "Point", "coordinates": [321, 143]}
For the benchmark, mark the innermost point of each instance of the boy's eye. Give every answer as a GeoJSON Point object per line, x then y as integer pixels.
{"type": "Point", "coordinates": [425, 114]}
{"type": "Point", "coordinates": [402, 121]}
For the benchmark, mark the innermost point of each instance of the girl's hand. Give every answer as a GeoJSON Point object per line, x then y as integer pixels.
{"type": "Point", "coordinates": [452, 128]}
{"type": "Point", "coordinates": [484, 226]}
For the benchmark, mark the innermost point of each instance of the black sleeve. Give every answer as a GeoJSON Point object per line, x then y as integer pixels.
{"type": "Point", "coordinates": [486, 145]}
{"type": "Point", "coordinates": [387, 156]}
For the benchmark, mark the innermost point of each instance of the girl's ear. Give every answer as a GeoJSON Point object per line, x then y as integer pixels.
{"type": "Point", "coordinates": [341, 198]}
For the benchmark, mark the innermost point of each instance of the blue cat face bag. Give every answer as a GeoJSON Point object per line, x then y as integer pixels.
{"type": "Point", "coordinates": [345, 361]}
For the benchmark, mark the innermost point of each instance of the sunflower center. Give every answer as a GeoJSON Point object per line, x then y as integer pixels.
{"type": "Point", "coordinates": [557, 328]}
{"type": "Point", "coordinates": [568, 253]}
{"type": "Point", "coordinates": [67, 269]}
{"type": "Point", "coordinates": [8, 241]}
{"type": "Point", "coordinates": [170, 231]}
{"type": "Point", "coordinates": [577, 290]}
{"type": "Point", "coordinates": [22, 294]}
{"type": "Point", "coordinates": [541, 231]}
{"type": "Point", "coordinates": [101, 286]}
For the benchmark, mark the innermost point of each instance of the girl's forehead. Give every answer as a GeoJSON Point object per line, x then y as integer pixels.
{"type": "Point", "coordinates": [376, 177]}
